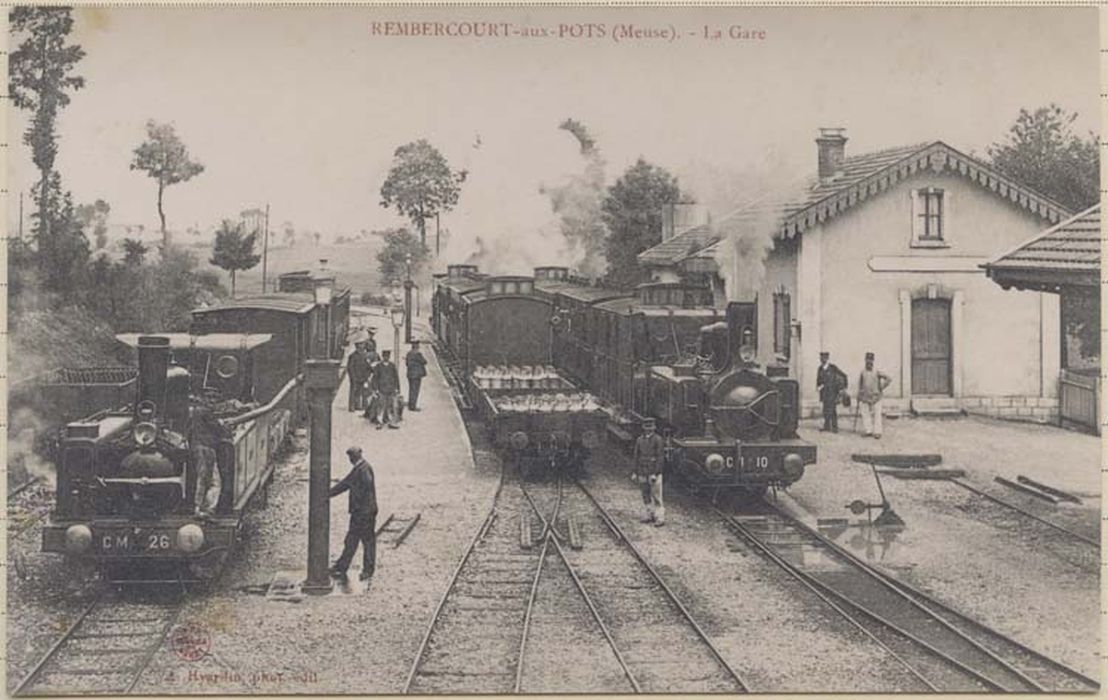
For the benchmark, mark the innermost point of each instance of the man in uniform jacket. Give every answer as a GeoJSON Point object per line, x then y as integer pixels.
{"type": "Point", "coordinates": [357, 372]}
{"type": "Point", "coordinates": [386, 382]}
{"type": "Point", "coordinates": [830, 381]}
{"type": "Point", "coordinates": [363, 516]}
{"type": "Point", "coordinates": [649, 464]}
{"type": "Point", "coordinates": [416, 370]}
{"type": "Point", "coordinates": [871, 388]}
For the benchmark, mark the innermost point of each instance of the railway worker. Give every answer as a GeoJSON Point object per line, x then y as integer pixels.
{"type": "Point", "coordinates": [386, 382]}
{"type": "Point", "coordinates": [206, 434]}
{"type": "Point", "coordinates": [830, 381]}
{"type": "Point", "coordinates": [871, 388]}
{"type": "Point", "coordinates": [415, 369]}
{"type": "Point", "coordinates": [363, 516]}
{"type": "Point", "coordinates": [357, 371]}
{"type": "Point", "coordinates": [371, 346]}
{"type": "Point", "coordinates": [649, 464]}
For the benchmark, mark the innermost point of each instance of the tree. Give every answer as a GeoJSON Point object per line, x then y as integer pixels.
{"type": "Point", "coordinates": [134, 252]}
{"type": "Point", "coordinates": [62, 250]}
{"type": "Point", "coordinates": [95, 216]}
{"type": "Point", "coordinates": [1042, 152]}
{"type": "Point", "coordinates": [633, 213]}
{"type": "Point", "coordinates": [392, 259]}
{"type": "Point", "coordinates": [165, 158]}
{"type": "Point", "coordinates": [421, 184]}
{"type": "Point", "coordinates": [39, 78]}
{"type": "Point", "coordinates": [234, 251]}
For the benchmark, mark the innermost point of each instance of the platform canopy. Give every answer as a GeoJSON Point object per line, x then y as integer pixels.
{"type": "Point", "coordinates": [1064, 256]}
{"type": "Point", "coordinates": [208, 341]}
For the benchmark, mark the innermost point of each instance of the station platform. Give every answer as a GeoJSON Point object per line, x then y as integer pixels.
{"type": "Point", "coordinates": [266, 636]}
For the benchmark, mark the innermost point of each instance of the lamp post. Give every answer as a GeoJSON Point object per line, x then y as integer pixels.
{"type": "Point", "coordinates": [322, 288]}
{"type": "Point", "coordinates": [408, 299]}
{"type": "Point", "coordinates": [397, 314]}
{"type": "Point", "coordinates": [321, 378]}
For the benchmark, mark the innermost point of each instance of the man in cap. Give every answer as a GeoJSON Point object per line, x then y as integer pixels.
{"type": "Point", "coordinates": [363, 516]}
{"type": "Point", "coordinates": [386, 382]}
{"type": "Point", "coordinates": [357, 373]}
{"type": "Point", "coordinates": [830, 381]}
{"type": "Point", "coordinates": [371, 344]}
{"type": "Point", "coordinates": [649, 464]}
{"type": "Point", "coordinates": [871, 388]}
{"type": "Point", "coordinates": [415, 369]}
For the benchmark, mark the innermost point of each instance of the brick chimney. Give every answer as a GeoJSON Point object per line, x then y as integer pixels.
{"type": "Point", "coordinates": [832, 150]}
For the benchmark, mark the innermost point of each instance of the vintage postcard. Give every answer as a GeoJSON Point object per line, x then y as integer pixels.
{"type": "Point", "coordinates": [565, 349]}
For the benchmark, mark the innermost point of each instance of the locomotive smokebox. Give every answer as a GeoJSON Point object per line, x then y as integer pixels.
{"type": "Point", "coordinates": [153, 363]}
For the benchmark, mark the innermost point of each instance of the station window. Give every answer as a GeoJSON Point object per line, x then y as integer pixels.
{"type": "Point", "coordinates": [931, 215]}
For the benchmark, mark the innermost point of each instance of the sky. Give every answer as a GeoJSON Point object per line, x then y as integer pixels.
{"type": "Point", "coordinates": [302, 108]}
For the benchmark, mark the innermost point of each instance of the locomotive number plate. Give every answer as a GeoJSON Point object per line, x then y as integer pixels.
{"type": "Point", "coordinates": [134, 540]}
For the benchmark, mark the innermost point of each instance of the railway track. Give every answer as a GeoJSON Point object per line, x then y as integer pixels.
{"type": "Point", "coordinates": [1028, 514]}
{"type": "Point", "coordinates": [494, 633]}
{"type": "Point", "coordinates": [945, 649]}
{"type": "Point", "coordinates": [106, 649]}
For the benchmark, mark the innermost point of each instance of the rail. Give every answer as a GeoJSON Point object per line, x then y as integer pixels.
{"type": "Point", "coordinates": [1018, 662]}
{"type": "Point", "coordinates": [273, 403]}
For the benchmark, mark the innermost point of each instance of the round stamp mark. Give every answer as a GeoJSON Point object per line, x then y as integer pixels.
{"type": "Point", "coordinates": [191, 642]}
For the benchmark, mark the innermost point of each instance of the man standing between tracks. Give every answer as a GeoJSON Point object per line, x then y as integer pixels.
{"type": "Point", "coordinates": [386, 382]}
{"type": "Point", "coordinates": [363, 516]}
{"type": "Point", "coordinates": [649, 464]}
{"type": "Point", "coordinates": [871, 387]}
{"type": "Point", "coordinates": [830, 381]}
{"type": "Point", "coordinates": [416, 370]}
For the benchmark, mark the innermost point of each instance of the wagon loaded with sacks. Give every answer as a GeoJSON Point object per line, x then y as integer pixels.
{"type": "Point", "coordinates": [537, 418]}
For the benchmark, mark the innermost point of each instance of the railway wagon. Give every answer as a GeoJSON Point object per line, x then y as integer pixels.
{"type": "Point", "coordinates": [129, 486]}
{"type": "Point", "coordinates": [666, 351]}
{"type": "Point", "coordinates": [538, 417]}
{"type": "Point", "coordinates": [492, 321]}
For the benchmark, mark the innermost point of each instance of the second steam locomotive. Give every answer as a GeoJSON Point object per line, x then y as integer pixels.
{"type": "Point", "coordinates": [663, 352]}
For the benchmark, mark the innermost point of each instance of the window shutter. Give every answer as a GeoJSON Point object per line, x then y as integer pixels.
{"type": "Point", "coordinates": [948, 215]}
{"type": "Point", "coordinates": [915, 206]}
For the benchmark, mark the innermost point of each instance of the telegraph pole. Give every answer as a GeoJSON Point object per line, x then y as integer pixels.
{"type": "Point", "coordinates": [436, 234]}
{"type": "Point", "coordinates": [20, 217]}
{"type": "Point", "coordinates": [265, 246]}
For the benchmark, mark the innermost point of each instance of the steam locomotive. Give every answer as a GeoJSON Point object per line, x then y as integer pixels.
{"type": "Point", "coordinates": [663, 351]}
{"type": "Point", "coordinates": [170, 477]}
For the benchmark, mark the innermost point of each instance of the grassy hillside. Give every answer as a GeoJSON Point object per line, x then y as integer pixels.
{"type": "Point", "coordinates": [355, 266]}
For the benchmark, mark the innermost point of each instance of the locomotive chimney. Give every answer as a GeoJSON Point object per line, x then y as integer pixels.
{"type": "Point", "coordinates": [153, 362]}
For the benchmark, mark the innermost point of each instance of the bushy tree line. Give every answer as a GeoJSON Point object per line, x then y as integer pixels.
{"type": "Point", "coordinates": [53, 269]}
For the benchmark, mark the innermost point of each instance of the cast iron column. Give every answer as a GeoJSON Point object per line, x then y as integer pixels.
{"type": "Point", "coordinates": [321, 377]}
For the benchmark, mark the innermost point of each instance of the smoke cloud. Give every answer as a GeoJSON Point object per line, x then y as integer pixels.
{"type": "Point", "coordinates": [26, 432]}
{"type": "Point", "coordinates": [577, 201]}
{"type": "Point", "coordinates": [747, 209]}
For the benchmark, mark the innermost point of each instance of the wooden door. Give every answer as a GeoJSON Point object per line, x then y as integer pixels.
{"type": "Point", "coordinates": [931, 347]}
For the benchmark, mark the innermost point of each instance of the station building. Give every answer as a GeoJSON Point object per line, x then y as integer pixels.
{"type": "Point", "coordinates": [883, 252]}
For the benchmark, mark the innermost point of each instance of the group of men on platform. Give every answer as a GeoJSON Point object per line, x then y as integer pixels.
{"type": "Point", "coordinates": [831, 383]}
{"type": "Point", "coordinates": [375, 382]}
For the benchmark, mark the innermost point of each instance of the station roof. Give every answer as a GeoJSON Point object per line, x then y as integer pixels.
{"type": "Point", "coordinates": [811, 200]}
{"type": "Point", "coordinates": [1066, 255]}
{"type": "Point", "coordinates": [208, 341]}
